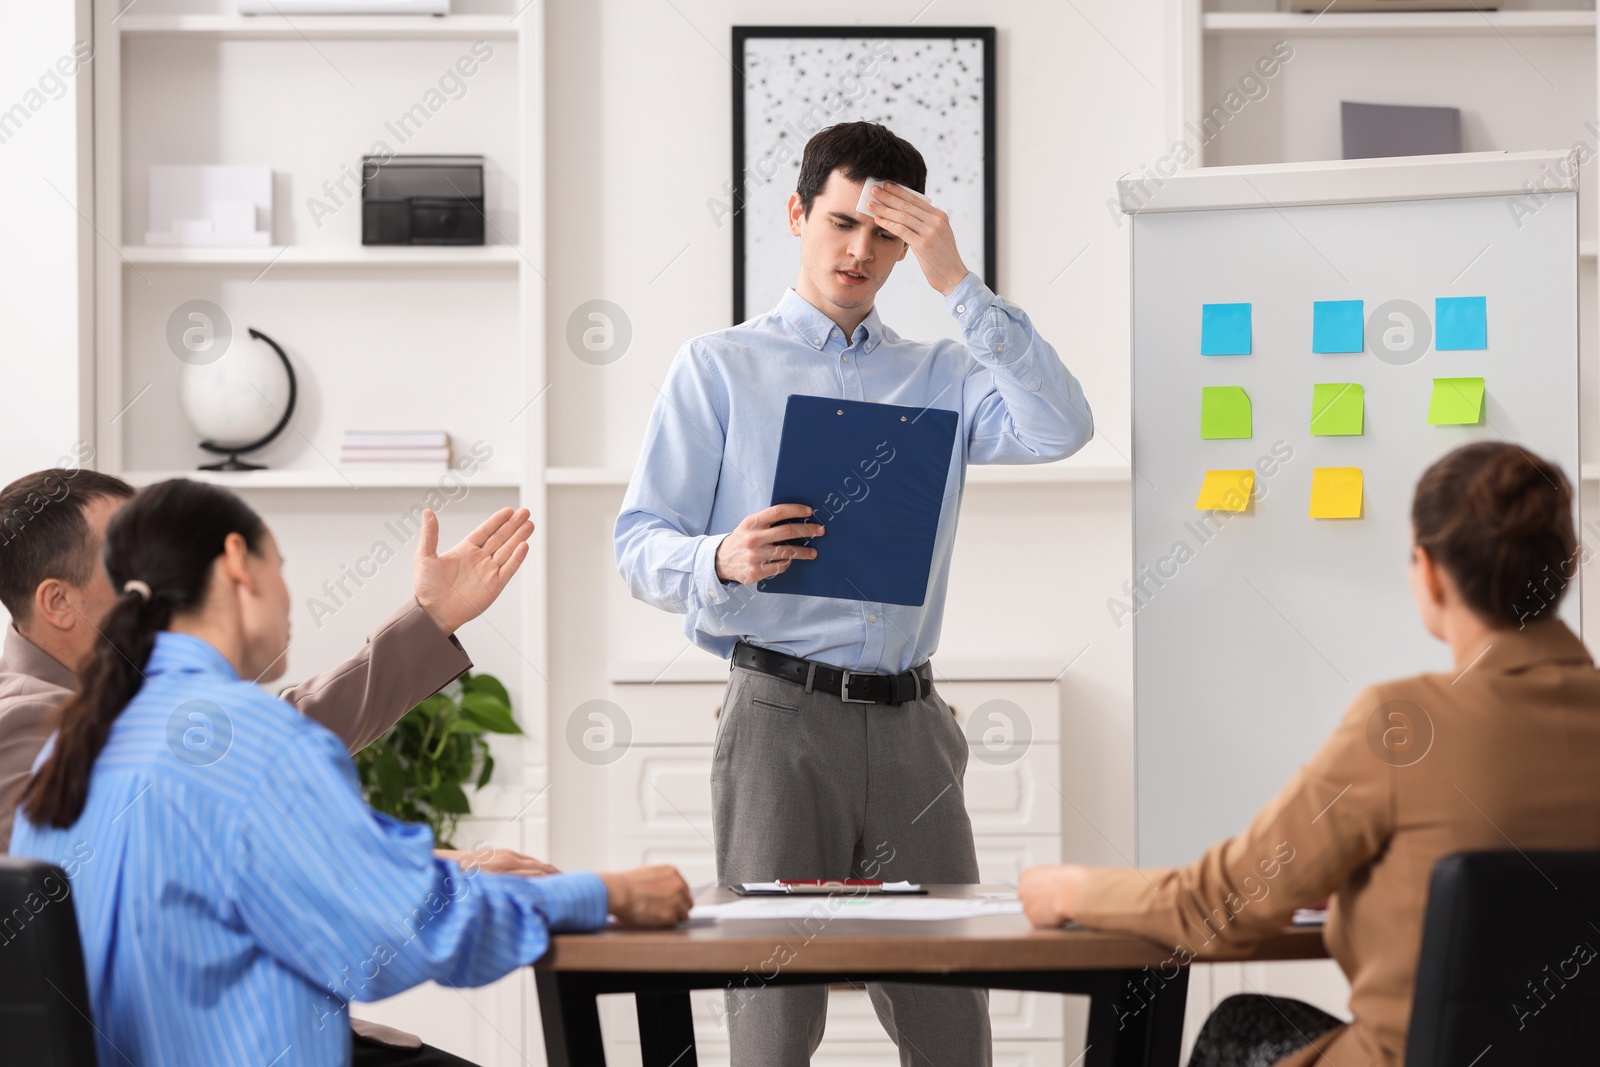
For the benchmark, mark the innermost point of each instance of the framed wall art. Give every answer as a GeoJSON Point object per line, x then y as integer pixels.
{"type": "Point", "coordinates": [933, 86]}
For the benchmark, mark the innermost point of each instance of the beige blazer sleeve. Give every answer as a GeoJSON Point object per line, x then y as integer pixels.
{"type": "Point", "coordinates": [405, 660]}
{"type": "Point", "coordinates": [25, 725]}
{"type": "Point", "coordinates": [1334, 816]}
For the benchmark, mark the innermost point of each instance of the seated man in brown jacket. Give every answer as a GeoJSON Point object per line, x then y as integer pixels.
{"type": "Point", "coordinates": [1514, 743]}
{"type": "Point", "coordinates": [52, 525]}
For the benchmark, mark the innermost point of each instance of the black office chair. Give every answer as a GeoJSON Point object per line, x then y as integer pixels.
{"type": "Point", "coordinates": [1509, 974]}
{"type": "Point", "coordinates": [44, 999]}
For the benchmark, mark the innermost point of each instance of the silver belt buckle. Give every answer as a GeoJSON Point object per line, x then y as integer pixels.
{"type": "Point", "coordinates": [844, 687]}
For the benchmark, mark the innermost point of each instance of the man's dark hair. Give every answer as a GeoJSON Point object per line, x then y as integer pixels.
{"type": "Point", "coordinates": [43, 533]}
{"type": "Point", "coordinates": [863, 150]}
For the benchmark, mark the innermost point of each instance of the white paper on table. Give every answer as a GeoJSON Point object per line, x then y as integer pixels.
{"type": "Point", "coordinates": [779, 887]}
{"type": "Point", "coordinates": [924, 909]}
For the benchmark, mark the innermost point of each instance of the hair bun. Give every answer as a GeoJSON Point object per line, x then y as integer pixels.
{"type": "Point", "coordinates": [1514, 494]}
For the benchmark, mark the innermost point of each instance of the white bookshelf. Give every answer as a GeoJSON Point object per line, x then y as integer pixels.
{"type": "Point", "coordinates": [447, 338]}
{"type": "Point", "coordinates": [325, 27]}
{"type": "Point", "coordinates": [334, 477]}
{"type": "Point", "coordinates": [1401, 24]}
{"type": "Point", "coordinates": [289, 256]}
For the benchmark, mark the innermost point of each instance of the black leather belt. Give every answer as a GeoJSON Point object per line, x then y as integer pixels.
{"type": "Point", "coordinates": [852, 687]}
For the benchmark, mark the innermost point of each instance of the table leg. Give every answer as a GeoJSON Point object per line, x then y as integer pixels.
{"type": "Point", "coordinates": [1136, 1019]}
{"type": "Point", "coordinates": [571, 1019]}
{"type": "Point", "coordinates": [666, 1029]}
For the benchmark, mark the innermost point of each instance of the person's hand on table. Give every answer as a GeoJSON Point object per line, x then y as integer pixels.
{"type": "Point", "coordinates": [496, 861]}
{"type": "Point", "coordinates": [455, 587]}
{"type": "Point", "coordinates": [1051, 895]}
{"type": "Point", "coordinates": [648, 896]}
{"type": "Point", "coordinates": [751, 553]}
{"type": "Point", "coordinates": [926, 230]}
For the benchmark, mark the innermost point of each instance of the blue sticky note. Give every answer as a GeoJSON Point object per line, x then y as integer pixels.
{"type": "Point", "coordinates": [1225, 329]}
{"type": "Point", "coordinates": [1337, 326]}
{"type": "Point", "coordinates": [1461, 323]}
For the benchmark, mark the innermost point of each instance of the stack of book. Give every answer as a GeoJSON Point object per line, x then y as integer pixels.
{"type": "Point", "coordinates": [388, 449]}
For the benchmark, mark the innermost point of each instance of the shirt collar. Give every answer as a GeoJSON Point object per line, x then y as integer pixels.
{"type": "Point", "coordinates": [813, 326]}
{"type": "Point", "coordinates": [1545, 641]}
{"type": "Point", "coordinates": [188, 654]}
{"type": "Point", "coordinates": [24, 657]}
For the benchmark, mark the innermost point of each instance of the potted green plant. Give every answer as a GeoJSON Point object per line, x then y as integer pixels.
{"type": "Point", "coordinates": [416, 771]}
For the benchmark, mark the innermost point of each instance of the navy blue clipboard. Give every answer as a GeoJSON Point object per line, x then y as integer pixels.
{"type": "Point", "coordinates": [874, 475]}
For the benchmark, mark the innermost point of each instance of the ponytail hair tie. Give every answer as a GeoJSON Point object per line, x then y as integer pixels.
{"type": "Point", "coordinates": [134, 585]}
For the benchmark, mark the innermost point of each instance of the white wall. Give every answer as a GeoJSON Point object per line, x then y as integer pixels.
{"type": "Point", "coordinates": [45, 309]}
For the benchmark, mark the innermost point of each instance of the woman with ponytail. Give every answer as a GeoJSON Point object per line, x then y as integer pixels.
{"type": "Point", "coordinates": [1499, 752]}
{"type": "Point", "coordinates": [233, 890]}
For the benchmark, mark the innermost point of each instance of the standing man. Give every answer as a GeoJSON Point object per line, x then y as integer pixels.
{"type": "Point", "coordinates": [834, 756]}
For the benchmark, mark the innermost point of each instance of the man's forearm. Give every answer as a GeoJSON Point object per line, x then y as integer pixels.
{"type": "Point", "coordinates": [665, 567]}
{"type": "Point", "coordinates": [1042, 413]}
{"type": "Point", "coordinates": [405, 660]}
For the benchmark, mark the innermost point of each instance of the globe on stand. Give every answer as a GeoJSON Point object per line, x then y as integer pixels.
{"type": "Point", "coordinates": [239, 403]}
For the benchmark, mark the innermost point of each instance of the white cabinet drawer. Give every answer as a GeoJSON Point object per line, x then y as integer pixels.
{"type": "Point", "coordinates": [663, 714]}
{"type": "Point", "coordinates": [663, 793]}
{"type": "Point", "coordinates": [1002, 858]}
{"type": "Point", "coordinates": [1030, 710]}
{"type": "Point", "coordinates": [1015, 797]}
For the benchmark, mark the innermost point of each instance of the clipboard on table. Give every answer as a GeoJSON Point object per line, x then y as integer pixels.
{"type": "Point", "coordinates": [875, 476]}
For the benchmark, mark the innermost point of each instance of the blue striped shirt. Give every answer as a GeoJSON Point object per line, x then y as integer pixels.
{"type": "Point", "coordinates": [711, 451]}
{"type": "Point", "coordinates": [234, 892]}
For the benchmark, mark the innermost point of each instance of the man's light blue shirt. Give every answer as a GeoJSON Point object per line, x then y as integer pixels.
{"type": "Point", "coordinates": [233, 890]}
{"type": "Point", "coordinates": [711, 451]}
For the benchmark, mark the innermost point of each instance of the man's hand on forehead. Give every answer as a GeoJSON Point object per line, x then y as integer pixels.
{"type": "Point", "coordinates": [925, 229]}
{"type": "Point", "coordinates": [865, 204]}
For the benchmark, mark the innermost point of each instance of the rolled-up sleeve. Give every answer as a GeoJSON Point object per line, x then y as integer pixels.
{"type": "Point", "coordinates": [1023, 405]}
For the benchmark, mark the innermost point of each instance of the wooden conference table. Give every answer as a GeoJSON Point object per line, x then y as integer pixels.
{"type": "Point", "coordinates": [1136, 990]}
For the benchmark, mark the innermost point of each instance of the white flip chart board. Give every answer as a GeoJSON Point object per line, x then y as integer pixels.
{"type": "Point", "coordinates": [1254, 630]}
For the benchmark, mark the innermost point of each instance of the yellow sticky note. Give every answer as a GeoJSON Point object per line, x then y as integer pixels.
{"type": "Point", "coordinates": [1226, 491]}
{"type": "Point", "coordinates": [1336, 493]}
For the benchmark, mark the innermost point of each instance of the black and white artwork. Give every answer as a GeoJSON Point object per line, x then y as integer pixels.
{"type": "Point", "coordinates": [933, 86]}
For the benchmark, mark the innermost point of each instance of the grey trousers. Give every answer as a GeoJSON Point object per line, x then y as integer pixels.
{"type": "Point", "coordinates": [807, 786]}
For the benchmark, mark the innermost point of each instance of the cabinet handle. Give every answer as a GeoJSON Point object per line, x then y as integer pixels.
{"type": "Point", "coordinates": [716, 712]}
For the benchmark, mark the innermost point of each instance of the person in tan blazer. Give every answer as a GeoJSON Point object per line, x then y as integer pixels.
{"type": "Point", "coordinates": [1500, 752]}
{"type": "Point", "coordinates": [52, 524]}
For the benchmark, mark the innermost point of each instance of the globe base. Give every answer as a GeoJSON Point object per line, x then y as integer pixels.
{"type": "Point", "coordinates": [232, 463]}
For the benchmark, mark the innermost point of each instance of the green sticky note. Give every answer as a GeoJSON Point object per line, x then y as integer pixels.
{"type": "Point", "coordinates": [1456, 402]}
{"type": "Point", "coordinates": [1336, 409]}
{"type": "Point", "coordinates": [1224, 412]}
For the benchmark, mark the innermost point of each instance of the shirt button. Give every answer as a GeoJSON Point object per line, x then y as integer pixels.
{"type": "Point", "coordinates": [872, 618]}
{"type": "Point", "coordinates": [817, 343]}
{"type": "Point", "coordinates": [961, 309]}
{"type": "Point", "coordinates": [845, 358]}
